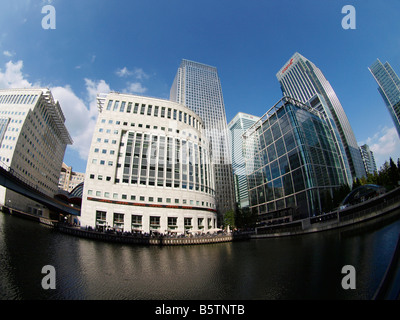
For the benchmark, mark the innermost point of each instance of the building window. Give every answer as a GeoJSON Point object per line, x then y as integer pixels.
{"type": "Point", "coordinates": [119, 221]}
{"type": "Point", "coordinates": [188, 223]}
{"type": "Point", "coordinates": [172, 222]}
{"type": "Point", "coordinates": [101, 218]}
{"type": "Point", "coordinates": [109, 104]}
{"type": "Point", "coordinates": [200, 222]}
{"type": "Point", "coordinates": [154, 222]}
{"type": "Point", "coordinates": [136, 222]}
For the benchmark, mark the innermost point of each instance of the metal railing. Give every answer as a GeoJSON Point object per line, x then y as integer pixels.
{"type": "Point", "coordinates": [19, 177]}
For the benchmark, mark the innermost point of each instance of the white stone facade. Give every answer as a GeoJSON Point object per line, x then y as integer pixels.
{"type": "Point", "coordinates": [148, 168]}
{"type": "Point", "coordinates": [33, 139]}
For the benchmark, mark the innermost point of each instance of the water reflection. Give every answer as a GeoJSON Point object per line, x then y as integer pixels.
{"type": "Point", "coordinates": [301, 267]}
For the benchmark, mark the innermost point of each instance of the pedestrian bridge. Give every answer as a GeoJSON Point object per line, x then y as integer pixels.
{"type": "Point", "coordinates": [13, 181]}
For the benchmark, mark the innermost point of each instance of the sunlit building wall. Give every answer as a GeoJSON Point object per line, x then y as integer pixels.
{"type": "Point", "coordinates": [33, 142]}
{"type": "Point", "coordinates": [368, 159]}
{"type": "Point", "coordinates": [149, 168]}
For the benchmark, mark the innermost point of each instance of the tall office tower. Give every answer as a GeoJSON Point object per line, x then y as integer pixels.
{"type": "Point", "coordinates": [389, 88]}
{"type": "Point", "coordinates": [148, 168]}
{"type": "Point", "coordinates": [33, 139]}
{"type": "Point", "coordinates": [368, 159]}
{"type": "Point", "coordinates": [237, 127]}
{"type": "Point", "coordinates": [301, 79]}
{"type": "Point", "coordinates": [69, 179]}
{"type": "Point", "coordinates": [292, 163]}
{"type": "Point", "coordinates": [197, 86]}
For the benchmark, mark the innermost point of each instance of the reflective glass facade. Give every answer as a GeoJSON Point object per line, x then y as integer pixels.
{"type": "Point", "coordinates": [291, 160]}
{"type": "Point", "coordinates": [389, 88]}
{"type": "Point", "coordinates": [301, 79]}
{"type": "Point", "coordinates": [237, 127]}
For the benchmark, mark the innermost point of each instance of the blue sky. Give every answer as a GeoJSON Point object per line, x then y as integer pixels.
{"type": "Point", "coordinates": [136, 47]}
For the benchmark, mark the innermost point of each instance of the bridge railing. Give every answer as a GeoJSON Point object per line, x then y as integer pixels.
{"type": "Point", "coordinates": [20, 177]}
{"type": "Point", "coordinates": [34, 189]}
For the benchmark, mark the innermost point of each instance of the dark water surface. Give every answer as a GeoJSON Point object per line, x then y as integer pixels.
{"type": "Point", "coordinates": [300, 267]}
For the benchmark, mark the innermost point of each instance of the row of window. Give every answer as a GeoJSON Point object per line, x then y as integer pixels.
{"type": "Point", "coordinates": [159, 200]}
{"type": "Point", "coordinates": [155, 111]}
{"type": "Point", "coordinates": [154, 221]}
{"type": "Point", "coordinates": [153, 159]}
{"type": "Point", "coordinates": [18, 98]}
{"type": "Point", "coordinates": [153, 182]}
{"type": "Point", "coordinates": [140, 125]}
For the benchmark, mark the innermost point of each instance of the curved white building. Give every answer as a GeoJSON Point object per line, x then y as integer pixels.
{"type": "Point", "coordinates": [148, 169]}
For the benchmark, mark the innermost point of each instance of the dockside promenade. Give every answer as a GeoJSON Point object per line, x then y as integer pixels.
{"type": "Point", "coordinates": [158, 240]}
{"type": "Point", "coordinates": [382, 207]}
{"type": "Point", "coordinates": [385, 206]}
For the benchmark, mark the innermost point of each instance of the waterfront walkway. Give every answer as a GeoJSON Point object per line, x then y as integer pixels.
{"type": "Point", "coordinates": [158, 240]}
{"type": "Point", "coordinates": [375, 209]}
{"type": "Point", "coordinates": [379, 208]}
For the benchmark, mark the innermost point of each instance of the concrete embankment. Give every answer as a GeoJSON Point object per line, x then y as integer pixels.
{"type": "Point", "coordinates": [386, 206]}
{"type": "Point", "coordinates": [142, 240]}
{"type": "Point", "coordinates": [382, 207]}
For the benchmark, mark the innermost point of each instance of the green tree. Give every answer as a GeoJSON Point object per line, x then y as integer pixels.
{"type": "Point", "coordinates": [372, 178]}
{"type": "Point", "coordinates": [383, 175]}
{"type": "Point", "coordinates": [229, 219]}
{"type": "Point", "coordinates": [394, 175]}
{"type": "Point", "coordinates": [356, 183]}
{"type": "Point", "coordinates": [398, 165]}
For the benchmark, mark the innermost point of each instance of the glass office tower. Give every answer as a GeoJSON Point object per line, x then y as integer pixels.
{"type": "Point", "coordinates": [292, 162]}
{"type": "Point", "coordinates": [237, 127]}
{"type": "Point", "coordinates": [389, 88]}
{"type": "Point", "coordinates": [318, 102]}
{"type": "Point", "coordinates": [301, 79]}
{"type": "Point", "coordinates": [198, 87]}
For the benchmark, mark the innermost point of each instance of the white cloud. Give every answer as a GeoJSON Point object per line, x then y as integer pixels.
{"type": "Point", "coordinates": [385, 144]}
{"type": "Point", "coordinates": [81, 114]}
{"type": "Point", "coordinates": [135, 87]}
{"type": "Point", "coordinates": [138, 73]}
{"type": "Point", "coordinates": [13, 77]}
{"type": "Point", "coordinates": [124, 72]}
{"type": "Point", "coordinates": [7, 53]}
